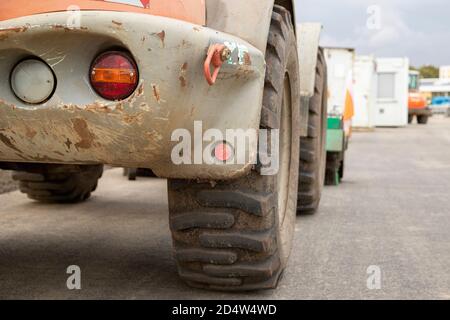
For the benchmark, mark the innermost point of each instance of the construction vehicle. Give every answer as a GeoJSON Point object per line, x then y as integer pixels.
{"type": "Point", "coordinates": [340, 62]}
{"type": "Point", "coordinates": [151, 84]}
{"type": "Point", "coordinates": [417, 103]}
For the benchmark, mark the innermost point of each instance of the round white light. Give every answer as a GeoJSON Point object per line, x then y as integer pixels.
{"type": "Point", "coordinates": [33, 81]}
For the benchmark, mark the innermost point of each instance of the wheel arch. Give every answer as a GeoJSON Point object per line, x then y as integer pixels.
{"type": "Point", "coordinates": [308, 38]}
{"type": "Point", "coordinates": [249, 20]}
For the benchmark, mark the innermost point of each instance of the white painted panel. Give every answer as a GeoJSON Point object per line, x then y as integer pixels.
{"type": "Point", "coordinates": [340, 67]}
{"type": "Point", "coordinates": [391, 94]}
{"type": "Point", "coordinates": [364, 87]}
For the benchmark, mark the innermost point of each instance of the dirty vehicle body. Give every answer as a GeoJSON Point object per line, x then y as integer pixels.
{"type": "Point", "coordinates": [110, 83]}
{"type": "Point", "coordinates": [417, 103]}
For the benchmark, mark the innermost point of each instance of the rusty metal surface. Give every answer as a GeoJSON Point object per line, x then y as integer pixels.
{"type": "Point", "coordinates": [77, 126]}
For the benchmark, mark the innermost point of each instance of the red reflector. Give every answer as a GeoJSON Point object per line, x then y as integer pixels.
{"type": "Point", "coordinates": [223, 152]}
{"type": "Point", "coordinates": [114, 75]}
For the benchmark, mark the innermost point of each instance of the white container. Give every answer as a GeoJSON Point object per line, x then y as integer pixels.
{"type": "Point", "coordinates": [363, 89]}
{"type": "Point", "coordinates": [391, 93]}
{"type": "Point", "coordinates": [340, 71]}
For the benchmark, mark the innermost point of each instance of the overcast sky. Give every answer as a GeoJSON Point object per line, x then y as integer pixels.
{"type": "Point", "coordinates": [418, 29]}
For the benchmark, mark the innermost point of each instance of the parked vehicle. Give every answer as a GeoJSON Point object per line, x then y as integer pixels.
{"type": "Point", "coordinates": [341, 110]}
{"type": "Point", "coordinates": [440, 105]}
{"type": "Point", "coordinates": [105, 83]}
{"type": "Point", "coordinates": [417, 103]}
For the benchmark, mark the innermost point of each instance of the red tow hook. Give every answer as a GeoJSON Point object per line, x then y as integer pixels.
{"type": "Point", "coordinates": [217, 55]}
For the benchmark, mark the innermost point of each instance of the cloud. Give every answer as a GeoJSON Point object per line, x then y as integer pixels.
{"type": "Point", "coordinates": [414, 28]}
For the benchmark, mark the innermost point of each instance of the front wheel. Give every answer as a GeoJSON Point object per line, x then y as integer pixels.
{"type": "Point", "coordinates": [422, 119]}
{"type": "Point", "coordinates": [237, 235]}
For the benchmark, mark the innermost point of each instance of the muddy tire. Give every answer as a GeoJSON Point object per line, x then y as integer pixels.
{"type": "Point", "coordinates": [313, 147]}
{"type": "Point", "coordinates": [59, 183]}
{"type": "Point", "coordinates": [422, 119]}
{"type": "Point", "coordinates": [237, 235]}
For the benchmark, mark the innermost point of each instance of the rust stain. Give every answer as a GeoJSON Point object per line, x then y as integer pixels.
{"type": "Point", "coordinates": [30, 132]}
{"type": "Point", "coordinates": [87, 137]}
{"type": "Point", "coordinates": [156, 93]}
{"type": "Point", "coordinates": [5, 33]}
{"type": "Point", "coordinates": [162, 36]}
{"type": "Point", "coordinates": [182, 77]}
{"type": "Point", "coordinates": [8, 143]}
{"type": "Point", "coordinates": [247, 59]}
{"type": "Point", "coordinates": [183, 81]}
{"type": "Point", "coordinates": [66, 28]}
{"type": "Point", "coordinates": [68, 143]}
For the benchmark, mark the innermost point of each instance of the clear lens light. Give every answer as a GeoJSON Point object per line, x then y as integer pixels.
{"type": "Point", "coordinates": [33, 81]}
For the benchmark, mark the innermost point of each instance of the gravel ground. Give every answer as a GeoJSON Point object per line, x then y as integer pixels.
{"type": "Point", "coordinates": [6, 183]}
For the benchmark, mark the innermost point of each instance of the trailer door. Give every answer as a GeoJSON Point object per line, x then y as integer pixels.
{"type": "Point", "coordinates": [391, 97]}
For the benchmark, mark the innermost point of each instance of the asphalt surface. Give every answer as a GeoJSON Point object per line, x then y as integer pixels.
{"type": "Point", "coordinates": [391, 212]}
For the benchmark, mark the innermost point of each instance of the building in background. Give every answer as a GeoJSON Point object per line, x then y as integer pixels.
{"type": "Point", "coordinates": [434, 88]}
{"type": "Point", "coordinates": [444, 72]}
{"type": "Point", "coordinates": [391, 94]}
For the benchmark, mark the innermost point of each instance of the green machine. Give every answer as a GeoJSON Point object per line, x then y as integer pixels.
{"type": "Point", "coordinates": [337, 144]}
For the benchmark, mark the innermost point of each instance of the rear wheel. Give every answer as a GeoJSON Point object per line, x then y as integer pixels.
{"type": "Point", "coordinates": [59, 183]}
{"type": "Point", "coordinates": [313, 147]}
{"type": "Point", "coordinates": [237, 235]}
{"type": "Point", "coordinates": [422, 119]}
{"type": "Point", "coordinates": [335, 168]}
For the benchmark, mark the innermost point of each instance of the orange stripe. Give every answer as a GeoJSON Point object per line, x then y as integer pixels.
{"type": "Point", "coordinates": [107, 75]}
{"type": "Point", "coordinates": [193, 11]}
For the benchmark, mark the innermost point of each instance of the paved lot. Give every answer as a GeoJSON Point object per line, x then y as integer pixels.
{"type": "Point", "coordinates": [391, 212]}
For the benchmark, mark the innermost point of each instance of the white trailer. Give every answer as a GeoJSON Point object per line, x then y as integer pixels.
{"type": "Point", "coordinates": [340, 63]}
{"type": "Point", "coordinates": [363, 89]}
{"type": "Point", "coordinates": [391, 93]}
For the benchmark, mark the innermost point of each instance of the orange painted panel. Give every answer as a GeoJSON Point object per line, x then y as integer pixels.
{"type": "Point", "coordinates": [417, 101]}
{"type": "Point", "coordinates": [188, 10]}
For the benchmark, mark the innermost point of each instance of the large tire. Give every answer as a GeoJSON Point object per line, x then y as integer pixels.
{"type": "Point", "coordinates": [422, 119]}
{"type": "Point", "coordinates": [313, 147]}
{"type": "Point", "coordinates": [410, 119]}
{"type": "Point", "coordinates": [59, 183]}
{"type": "Point", "coordinates": [237, 235]}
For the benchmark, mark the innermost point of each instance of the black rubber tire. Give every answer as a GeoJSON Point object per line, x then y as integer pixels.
{"type": "Point", "coordinates": [59, 183]}
{"type": "Point", "coordinates": [335, 168]}
{"type": "Point", "coordinates": [313, 147]}
{"type": "Point", "coordinates": [228, 236]}
{"type": "Point", "coordinates": [422, 119]}
{"type": "Point", "coordinates": [410, 119]}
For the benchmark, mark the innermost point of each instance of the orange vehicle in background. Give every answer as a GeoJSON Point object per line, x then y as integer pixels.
{"type": "Point", "coordinates": [417, 104]}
